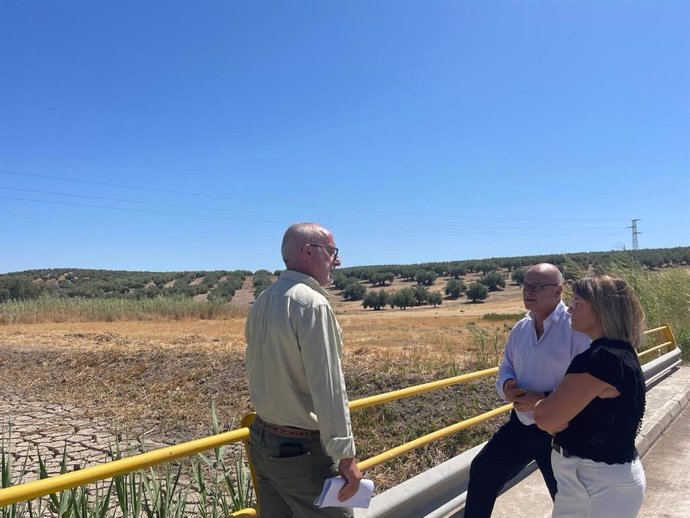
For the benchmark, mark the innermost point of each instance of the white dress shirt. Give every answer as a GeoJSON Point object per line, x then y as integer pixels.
{"type": "Point", "coordinates": [540, 364]}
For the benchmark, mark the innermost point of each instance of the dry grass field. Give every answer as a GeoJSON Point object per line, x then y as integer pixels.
{"type": "Point", "coordinates": [159, 378]}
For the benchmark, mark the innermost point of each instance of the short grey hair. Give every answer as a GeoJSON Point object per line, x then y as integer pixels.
{"type": "Point", "coordinates": [298, 235]}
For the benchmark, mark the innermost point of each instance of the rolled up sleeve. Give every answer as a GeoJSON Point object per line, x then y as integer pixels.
{"type": "Point", "coordinates": [506, 370]}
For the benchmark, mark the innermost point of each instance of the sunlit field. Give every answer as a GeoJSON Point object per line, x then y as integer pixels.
{"type": "Point", "coordinates": [156, 377]}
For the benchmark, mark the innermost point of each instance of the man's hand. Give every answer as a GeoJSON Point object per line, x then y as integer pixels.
{"type": "Point", "coordinates": [350, 472]}
{"type": "Point", "coordinates": [512, 391]}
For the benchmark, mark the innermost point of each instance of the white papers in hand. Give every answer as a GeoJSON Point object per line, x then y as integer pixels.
{"type": "Point", "coordinates": [329, 494]}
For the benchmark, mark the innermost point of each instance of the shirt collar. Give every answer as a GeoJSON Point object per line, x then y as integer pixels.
{"type": "Point", "coordinates": [556, 315]}
{"type": "Point", "coordinates": [293, 275]}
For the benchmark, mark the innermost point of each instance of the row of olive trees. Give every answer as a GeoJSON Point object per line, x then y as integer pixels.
{"type": "Point", "coordinates": [119, 284]}
{"type": "Point", "coordinates": [261, 281]}
{"type": "Point", "coordinates": [403, 299]}
{"type": "Point", "coordinates": [651, 258]}
{"type": "Point", "coordinates": [416, 296]}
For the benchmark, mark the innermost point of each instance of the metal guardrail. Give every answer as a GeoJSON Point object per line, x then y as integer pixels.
{"type": "Point", "coordinates": [441, 491]}
{"type": "Point", "coordinates": [39, 488]}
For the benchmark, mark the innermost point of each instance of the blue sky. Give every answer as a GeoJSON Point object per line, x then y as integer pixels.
{"type": "Point", "coordinates": [188, 135]}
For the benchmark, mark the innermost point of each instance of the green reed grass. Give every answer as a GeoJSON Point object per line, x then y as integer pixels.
{"type": "Point", "coordinates": [61, 309]}
{"type": "Point", "coordinates": [180, 491]}
{"type": "Point", "coordinates": [500, 317]}
{"type": "Point", "coordinates": [489, 343]}
{"type": "Point", "coordinates": [664, 295]}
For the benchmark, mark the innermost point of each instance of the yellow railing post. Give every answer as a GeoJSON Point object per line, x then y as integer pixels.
{"type": "Point", "coordinates": [246, 422]}
{"type": "Point", "coordinates": [668, 335]}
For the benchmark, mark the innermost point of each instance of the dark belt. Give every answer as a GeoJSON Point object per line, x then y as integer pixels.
{"type": "Point", "coordinates": [559, 449]}
{"type": "Point", "coordinates": [288, 431]}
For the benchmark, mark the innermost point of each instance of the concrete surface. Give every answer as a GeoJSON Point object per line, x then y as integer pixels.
{"type": "Point", "coordinates": [667, 468]}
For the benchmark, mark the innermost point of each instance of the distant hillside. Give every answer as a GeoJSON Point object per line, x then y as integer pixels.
{"type": "Point", "coordinates": [221, 285]}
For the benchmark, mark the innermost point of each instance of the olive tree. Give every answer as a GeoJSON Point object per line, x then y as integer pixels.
{"type": "Point", "coordinates": [376, 299]}
{"type": "Point", "coordinates": [425, 277]}
{"type": "Point", "coordinates": [403, 299]}
{"type": "Point", "coordinates": [354, 291]}
{"type": "Point", "coordinates": [518, 276]}
{"type": "Point", "coordinates": [454, 288]}
{"type": "Point", "coordinates": [381, 278]}
{"type": "Point", "coordinates": [435, 298]}
{"type": "Point", "coordinates": [477, 291]}
{"type": "Point", "coordinates": [421, 295]}
{"type": "Point", "coordinates": [493, 280]}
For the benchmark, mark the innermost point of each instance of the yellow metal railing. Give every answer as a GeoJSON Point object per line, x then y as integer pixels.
{"type": "Point", "coordinates": [669, 344]}
{"type": "Point", "coordinates": [55, 484]}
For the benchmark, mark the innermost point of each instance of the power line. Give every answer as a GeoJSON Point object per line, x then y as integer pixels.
{"type": "Point", "coordinates": [127, 209]}
{"type": "Point", "coordinates": [93, 182]}
{"type": "Point", "coordinates": [159, 204]}
{"type": "Point", "coordinates": [186, 193]}
{"type": "Point", "coordinates": [448, 229]}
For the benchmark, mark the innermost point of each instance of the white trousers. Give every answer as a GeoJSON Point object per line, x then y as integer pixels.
{"type": "Point", "coordinates": [588, 489]}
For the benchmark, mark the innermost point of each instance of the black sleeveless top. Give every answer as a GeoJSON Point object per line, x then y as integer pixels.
{"type": "Point", "coordinates": [605, 430]}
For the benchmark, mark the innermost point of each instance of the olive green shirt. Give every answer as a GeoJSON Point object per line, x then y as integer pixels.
{"type": "Point", "coordinates": [294, 344]}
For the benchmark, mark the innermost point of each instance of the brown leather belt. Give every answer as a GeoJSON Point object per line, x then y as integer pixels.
{"type": "Point", "coordinates": [288, 431]}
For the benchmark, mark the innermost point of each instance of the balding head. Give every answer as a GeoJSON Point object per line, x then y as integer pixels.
{"type": "Point", "coordinates": [542, 289]}
{"type": "Point", "coordinates": [298, 235]}
{"type": "Point", "coordinates": [549, 271]}
{"type": "Point", "coordinates": [310, 248]}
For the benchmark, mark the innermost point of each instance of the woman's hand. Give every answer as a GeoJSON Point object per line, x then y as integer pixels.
{"type": "Point", "coordinates": [575, 392]}
{"type": "Point", "coordinates": [526, 402]}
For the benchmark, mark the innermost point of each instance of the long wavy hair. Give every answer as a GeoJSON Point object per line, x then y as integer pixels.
{"type": "Point", "coordinates": [615, 306]}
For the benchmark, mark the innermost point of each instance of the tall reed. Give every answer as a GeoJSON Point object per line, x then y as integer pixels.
{"type": "Point", "coordinates": [664, 294]}
{"type": "Point", "coordinates": [61, 309]}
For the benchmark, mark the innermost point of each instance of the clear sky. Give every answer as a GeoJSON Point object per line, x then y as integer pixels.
{"type": "Point", "coordinates": [168, 135]}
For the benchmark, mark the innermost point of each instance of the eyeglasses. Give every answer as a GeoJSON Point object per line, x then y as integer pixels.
{"type": "Point", "coordinates": [332, 250]}
{"type": "Point", "coordinates": [537, 286]}
{"type": "Point", "coordinates": [574, 303]}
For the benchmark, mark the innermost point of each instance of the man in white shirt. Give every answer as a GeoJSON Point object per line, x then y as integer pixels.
{"type": "Point", "coordinates": [302, 434]}
{"type": "Point", "coordinates": [537, 355]}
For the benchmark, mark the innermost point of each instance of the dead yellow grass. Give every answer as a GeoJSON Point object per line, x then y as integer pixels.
{"type": "Point", "coordinates": [160, 377]}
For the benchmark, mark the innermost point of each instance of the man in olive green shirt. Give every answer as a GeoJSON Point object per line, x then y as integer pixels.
{"type": "Point", "coordinates": [302, 434]}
